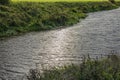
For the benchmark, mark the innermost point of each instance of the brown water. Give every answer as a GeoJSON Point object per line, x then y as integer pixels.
{"type": "Point", "coordinates": [99, 33]}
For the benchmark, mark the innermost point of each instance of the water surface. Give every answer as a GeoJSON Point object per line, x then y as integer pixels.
{"type": "Point", "coordinates": [98, 34]}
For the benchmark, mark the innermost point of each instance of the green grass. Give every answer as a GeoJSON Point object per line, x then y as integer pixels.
{"type": "Point", "coordinates": [22, 17]}
{"type": "Point", "coordinates": [105, 69]}
{"type": "Point", "coordinates": [59, 0]}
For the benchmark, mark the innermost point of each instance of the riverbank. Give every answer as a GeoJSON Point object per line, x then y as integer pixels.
{"type": "Point", "coordinates": [23, 17]}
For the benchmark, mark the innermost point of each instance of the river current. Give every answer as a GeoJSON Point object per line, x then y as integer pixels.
{"type": "Point", "coordinates": [98, 34]}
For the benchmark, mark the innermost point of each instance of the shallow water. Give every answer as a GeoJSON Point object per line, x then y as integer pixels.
{"type": "Point", "coordinates": [98, 34]}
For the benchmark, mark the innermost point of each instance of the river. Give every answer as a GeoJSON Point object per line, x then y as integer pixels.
{"type": "Point", "coordinates": [98, 34]}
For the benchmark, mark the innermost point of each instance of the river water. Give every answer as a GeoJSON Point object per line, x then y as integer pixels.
{"type": "Point", "coordinates": [98, 34]}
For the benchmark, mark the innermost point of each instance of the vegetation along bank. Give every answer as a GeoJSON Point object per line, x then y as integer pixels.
{"type": "Point", "coordinates": [89, 69]}
{"type": "Point", "coordinates": [22, 17]}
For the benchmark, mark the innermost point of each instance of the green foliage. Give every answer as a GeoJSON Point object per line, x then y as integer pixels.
{"type": "Point", "coordinates": [106, 69]}
{"type": "Point", "coordinates": [28, 16]}
{"type": "Point", "coordinates": [112, 1]}
{"type": "Point", "coordinates": [117, 3]}
{"type": "Point", "coordinates": [61, 0]}
{"type": "Point", "coordinates": [3, 2]}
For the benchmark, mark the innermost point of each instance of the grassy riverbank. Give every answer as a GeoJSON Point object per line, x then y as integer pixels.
{"type": "Point", "coordinates": [106, 69]}
{"type": "Point", "coordinates": [61, 0]}
{"type": "Point", "coordinates": [22, 17]}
